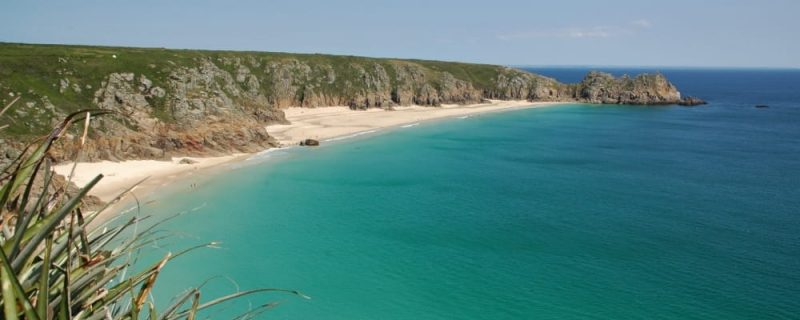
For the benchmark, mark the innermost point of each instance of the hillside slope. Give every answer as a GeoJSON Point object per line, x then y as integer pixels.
{"type": "Point", "coordinates": [192, 102]}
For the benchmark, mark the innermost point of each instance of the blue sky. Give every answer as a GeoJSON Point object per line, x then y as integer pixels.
{"type": "Point", "coordinates": [709, 33]}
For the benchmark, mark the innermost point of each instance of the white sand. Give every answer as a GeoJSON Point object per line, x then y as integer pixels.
{"type": "Point", "coordinates": [119, 176]}
{"type": "Point", "coordinates": [317, 123]}
{"type": "Point", "coordinates": [329, 122]}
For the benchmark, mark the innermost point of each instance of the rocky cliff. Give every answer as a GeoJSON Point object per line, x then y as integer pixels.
{"type": "Point", "coordinates": [600, 87]}
{"type": "Point", "coordinates": [180, 102]}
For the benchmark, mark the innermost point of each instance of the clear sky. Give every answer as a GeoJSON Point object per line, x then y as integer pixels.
{"type": "Point", "coordinates": [737, 33]}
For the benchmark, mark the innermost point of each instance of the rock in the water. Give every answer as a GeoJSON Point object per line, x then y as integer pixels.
{"type": "Point", "coordinates": [187, 161]}
{"type": "Point", "coordinates": [692, 101]}
{"type": "Point", "coordinates": [762, 106]}
{"type": "Point", "coordinates": [309, 143]}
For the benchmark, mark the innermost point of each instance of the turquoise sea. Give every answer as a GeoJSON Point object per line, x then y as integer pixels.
{"type": "Point", "coordinates": [567, 212]}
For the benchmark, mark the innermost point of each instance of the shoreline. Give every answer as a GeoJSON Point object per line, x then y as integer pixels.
{"type": "Point", "coordinates": [322, 123]}
{"type": "Point", "coordinates": [327, 123]}
{"type": "Point", "coordinates": [119, 176]}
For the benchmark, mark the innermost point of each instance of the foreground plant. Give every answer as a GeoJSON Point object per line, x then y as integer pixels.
{"type": "Point", "coordinates": [56, 264]}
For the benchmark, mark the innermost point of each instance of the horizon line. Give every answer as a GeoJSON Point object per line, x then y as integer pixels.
{"type": "Point", "coordinates": [621, 66]}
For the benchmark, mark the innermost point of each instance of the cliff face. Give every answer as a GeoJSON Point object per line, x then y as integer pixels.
{"type": "Point", "coordinates": [178, 102]}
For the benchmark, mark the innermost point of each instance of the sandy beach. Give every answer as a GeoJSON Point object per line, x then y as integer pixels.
{"type": "Point", "coordinates": [316, 123]}
{"type": "Point", "coordinates": [330, 122]}
{"type": "Point", "coordinates": [119, 176]}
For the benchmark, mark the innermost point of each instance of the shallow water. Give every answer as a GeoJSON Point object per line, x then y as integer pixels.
{"type": "Point", "coordinates": [576, 212]}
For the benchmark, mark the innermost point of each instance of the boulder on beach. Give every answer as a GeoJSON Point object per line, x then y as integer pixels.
{"type": "Point", "coordinates": [309, 143]}
{"type": "Point", "coordinates": [187, 161]}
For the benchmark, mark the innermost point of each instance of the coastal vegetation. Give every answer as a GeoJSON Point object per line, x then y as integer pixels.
{"type": "Point", "coordinates": [58, 261]}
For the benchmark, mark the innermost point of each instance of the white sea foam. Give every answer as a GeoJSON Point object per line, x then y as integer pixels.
{"type": "Point", "coordinates": [351, 135]}
{"type": "Point", "coordinates": [410, 125]}
{"type": "Point", "coordinates": [463, 117]}
{"type": "Point", "coordinates": [267, 153]}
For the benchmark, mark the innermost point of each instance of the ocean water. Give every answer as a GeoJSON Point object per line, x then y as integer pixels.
{"type": "Point", "coordinates": [566, 212]}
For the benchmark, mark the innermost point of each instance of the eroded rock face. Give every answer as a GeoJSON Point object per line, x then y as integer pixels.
{"type": "Point", "coordinates": [206, 113]}
{"type": "Point", "coordinates": [646, 89]}
{"type": "Point", "coordinates": [120, 93]}
{"type": "Point", "coordinates": [374, 87]}
{"type": "Point", "coordinates": [513, 84]}
{"type": "Point", "coordinates": [295, 83]}
{"type": "Point", "coordinates": [457, 91]}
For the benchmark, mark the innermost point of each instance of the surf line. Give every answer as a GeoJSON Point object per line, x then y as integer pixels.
{"type": "Point", "coordinates": [351, 135]}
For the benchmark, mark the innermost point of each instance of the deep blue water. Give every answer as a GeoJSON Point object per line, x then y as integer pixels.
{"type": "Point", "coordinates": [567, 212]}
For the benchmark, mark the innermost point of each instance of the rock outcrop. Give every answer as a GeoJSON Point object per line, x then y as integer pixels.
{"type": "Point", "coordinates": [513, 84]}
{"type": "Point", "coordinates": [207, 113]}
{"type": "Point", "coordinates": [309, 143]}
{"type": "Point", "coordinates": [187, 161]}
{"type": "Point", "coordinates": [646, 89]}
{"type": "Point", "coordinates": [692, 101]}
